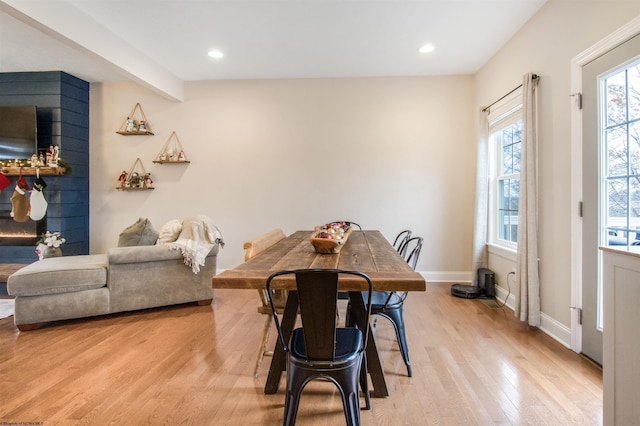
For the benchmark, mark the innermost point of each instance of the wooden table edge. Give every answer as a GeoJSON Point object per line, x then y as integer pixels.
{"type": "Point", "coordinates": [256, 279]}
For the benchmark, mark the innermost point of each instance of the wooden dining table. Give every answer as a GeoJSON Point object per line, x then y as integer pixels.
{"type": "Point", "coordinates": [365, 251]}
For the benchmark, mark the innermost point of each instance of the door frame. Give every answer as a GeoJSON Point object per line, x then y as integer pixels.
{"type": "Point", "coordinates": [613, 40]}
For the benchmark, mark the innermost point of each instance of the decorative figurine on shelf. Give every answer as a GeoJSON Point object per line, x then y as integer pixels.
{"type": "Point", "coordinates": [34, 161]}
{"type": "Point", "coordinates": [181, 156]}
{"type": "Point", "coordinates": [56, 156]}
{"type": "Point", "coordinates": [147, 180]}
{"type": "Point", "coordinates": [142, 128]}
{"type": "Point", "coordinates": [135, 180]}
{"type": "Point", "coordinates": [122, 179]}
{"type": "Point", "coordinates": [163, 157]}
{"type": "Point", "coordinates": [131, 125]}
{"type": "Point", "coordinates": [41, 160]}
{"type": "Point", "coordinates": [49, 155]}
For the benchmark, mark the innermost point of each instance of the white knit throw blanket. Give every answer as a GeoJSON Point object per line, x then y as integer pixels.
{"type": "Point", "coordinates": [196, 240]}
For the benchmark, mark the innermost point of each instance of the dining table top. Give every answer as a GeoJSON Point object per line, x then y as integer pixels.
{"type": "Point", "coordinates": [366, 251]}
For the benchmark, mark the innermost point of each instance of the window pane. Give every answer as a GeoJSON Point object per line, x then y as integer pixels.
{"type": "Point", "coordinates": [503, 225]}
{"type": "Point", "coordinates": [634, 201]}
{"type": "Point", "coordinates": [507, 157]}
{"type": "Point", "coordinates": [515, 195]}
{"type": "Point", "coordinates": [616, 99]}
{"type": "Point", "coordinates": [634, 148]}
{"type": "Point", "coordinates": [503, 196]}
{"type": "Point", "coordinates": [517, 148]}
{"type": "Point", "coordinates": [511, 138]}
{"type": "Point", "coordinates": [509, 196]}
{"type": "Point", "coordinates": [617, 151]}
{"type": "Point", "coordinates": [517, 132]}
{"type": "Point", "coordinates": [617, 192]}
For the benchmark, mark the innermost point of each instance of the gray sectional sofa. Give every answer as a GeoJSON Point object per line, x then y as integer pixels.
{"type": "Point", "coordinates": [124, 279]}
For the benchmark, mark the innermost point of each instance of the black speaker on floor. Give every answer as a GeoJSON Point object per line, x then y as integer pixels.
{"type": "Point", "coordinates": [487, 282]}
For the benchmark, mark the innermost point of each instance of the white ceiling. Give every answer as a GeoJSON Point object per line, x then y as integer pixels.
{"type": "Point", "coordinates": [162, 43]}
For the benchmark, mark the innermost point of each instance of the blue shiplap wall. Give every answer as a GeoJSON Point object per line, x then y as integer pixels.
{"type": "Point", "coordinates": [62, 102]}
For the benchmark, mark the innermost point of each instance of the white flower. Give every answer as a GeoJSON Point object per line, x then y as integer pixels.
{"type": "Point", "coordinates": [52, 239]}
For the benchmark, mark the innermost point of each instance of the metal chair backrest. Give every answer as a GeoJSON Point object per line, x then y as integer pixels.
{"type": "Point", "coordinates": [413, 246]}
{"type": "Point", "coordinates": [318, 295]}
{"type": "Point", "coordinates": [401, 239]}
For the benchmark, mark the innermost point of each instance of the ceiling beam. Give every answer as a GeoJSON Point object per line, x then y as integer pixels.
{"type": "Point", "coordinates": [69, 25]}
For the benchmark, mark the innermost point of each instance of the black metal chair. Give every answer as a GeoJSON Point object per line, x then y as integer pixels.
{"type": "Point", "coordinates": [401, 239]}
{"type": "Point", "coordinates": [320, 349]}
{"type": "Point", "coordinates": [390, 304]}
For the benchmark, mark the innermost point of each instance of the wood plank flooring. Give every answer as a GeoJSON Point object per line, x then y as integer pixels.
{"type": "Point", "coordinates": [193, 365]}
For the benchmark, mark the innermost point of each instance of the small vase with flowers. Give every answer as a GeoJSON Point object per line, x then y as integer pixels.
{"type": "Point", "coordinates": [49, 245]}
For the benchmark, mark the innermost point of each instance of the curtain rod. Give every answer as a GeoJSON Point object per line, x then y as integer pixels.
{"type": "Point", "coordinates": [485, 109]}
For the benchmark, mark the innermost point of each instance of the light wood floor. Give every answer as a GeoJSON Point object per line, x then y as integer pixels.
{"type": "Point", "coordinates": [193, 365]}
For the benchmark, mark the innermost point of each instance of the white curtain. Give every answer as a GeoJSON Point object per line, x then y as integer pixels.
{"type": "Point", "coordinates": [480, 257]}
{"type": "Point", "coordinates": [527, 292]}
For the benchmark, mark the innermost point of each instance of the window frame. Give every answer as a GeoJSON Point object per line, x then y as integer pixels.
{"type": "Point", "coordinates": [502, 115]}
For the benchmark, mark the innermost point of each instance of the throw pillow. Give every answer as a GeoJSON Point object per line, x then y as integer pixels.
{"type": "Point", "coordinates": [169, 232]}
{"type": "Point", "coordinates": [140, 233]}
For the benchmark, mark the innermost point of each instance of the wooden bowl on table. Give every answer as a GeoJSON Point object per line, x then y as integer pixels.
{"type": "Point", "coordinates": [322, 244]}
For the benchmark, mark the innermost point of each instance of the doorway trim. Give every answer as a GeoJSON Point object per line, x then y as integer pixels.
{"type": "Point", "coordinates": [613, 40]}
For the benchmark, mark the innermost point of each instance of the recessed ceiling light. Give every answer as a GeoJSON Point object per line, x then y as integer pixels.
{"type": "Point", "coordinates": [216, 54]}
{"type": "Point", "coordinates": [426, 48]}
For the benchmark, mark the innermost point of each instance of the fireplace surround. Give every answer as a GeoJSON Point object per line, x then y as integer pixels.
{"type": "Point", "coordinates": [62, 102]}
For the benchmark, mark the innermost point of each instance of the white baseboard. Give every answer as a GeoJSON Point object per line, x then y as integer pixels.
{"type": "Point", "coordinates": [548, 325]}
{"type": "Point", "coordinates": [447, 276]}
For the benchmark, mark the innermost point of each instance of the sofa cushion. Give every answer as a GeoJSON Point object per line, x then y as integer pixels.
{"type": "Point", "coordinates": [169, 232]}
{"type": "Point", "coordinates": [141, 233]}
{"type": "Point", "coordinates": [59, 275]}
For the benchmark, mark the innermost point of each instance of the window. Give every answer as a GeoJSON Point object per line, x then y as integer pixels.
{"type": "Point", "coordinates": [621, 136]}
{"type": "Point", "coordinates": [505, 147]}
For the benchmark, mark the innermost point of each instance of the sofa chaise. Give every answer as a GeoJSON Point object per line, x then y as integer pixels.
{"type": "Point", "coordinates": [124, 279]}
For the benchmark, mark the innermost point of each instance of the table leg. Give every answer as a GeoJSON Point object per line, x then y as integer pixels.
{"type": "Point", "coordinates": [279, 359]}
{"type": "Point", "coordinates": [358, 314]}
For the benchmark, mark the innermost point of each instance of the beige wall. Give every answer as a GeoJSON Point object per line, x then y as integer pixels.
{"type": "Point", "coordinates": [545, 45]}
{"type": "Point", "coordinates": [388, 153]}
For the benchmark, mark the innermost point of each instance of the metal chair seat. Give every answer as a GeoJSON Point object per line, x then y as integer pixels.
{"type": "Point", "coordinates": [348, 343]}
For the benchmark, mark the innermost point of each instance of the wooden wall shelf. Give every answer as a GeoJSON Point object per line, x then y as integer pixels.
{"type": "Point", "coordinates": [134, 133]}
{"type": "Point", "coordinates": [135, 179]}
{"type": "Point", "coordinates": [171, 161]}
{"type": "Point", "coordinates": [172, 151]}
{"type": "Point", "coordinates": [136, 118]}
{"type": "Point", "coordinates": [31, 171]}
{"type": "Point", "coordinates": [134, 189]}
